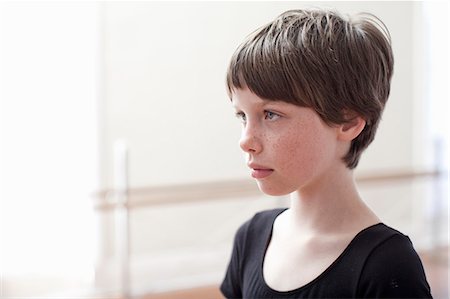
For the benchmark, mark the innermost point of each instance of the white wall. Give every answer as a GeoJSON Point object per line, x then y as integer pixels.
{"type": "Point", "coordinates": [49, 146]}
{"type": "Point", "coordinates": [165, 66]}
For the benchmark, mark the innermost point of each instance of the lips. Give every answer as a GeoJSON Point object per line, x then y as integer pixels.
{"type": "Point", "coordinates": [259, 171]}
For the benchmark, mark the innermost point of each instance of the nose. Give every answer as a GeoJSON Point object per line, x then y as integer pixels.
{"type": "Point", "coordinates": [250, 142]}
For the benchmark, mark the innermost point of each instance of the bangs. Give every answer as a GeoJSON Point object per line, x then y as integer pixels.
{"type": "Point", "coordinates": [264, 64]}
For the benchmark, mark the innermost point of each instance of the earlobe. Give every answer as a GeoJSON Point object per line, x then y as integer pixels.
{"type": "Point", "coordinates": [351, 129]}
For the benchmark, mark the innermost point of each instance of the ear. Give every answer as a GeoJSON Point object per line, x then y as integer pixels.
{"type": "Point", "coordinates": [352, 128]}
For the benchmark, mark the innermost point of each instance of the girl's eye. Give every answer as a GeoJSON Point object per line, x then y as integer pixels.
{"type": "Point", "coordinates": [241, 116]}
{"type": "Point", "coordinates": [271, 115]}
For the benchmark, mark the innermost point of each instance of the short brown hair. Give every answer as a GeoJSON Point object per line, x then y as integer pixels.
{"type": "Point", "coordinates": [322, 60]}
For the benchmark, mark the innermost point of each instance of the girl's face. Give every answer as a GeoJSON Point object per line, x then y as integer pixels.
{"type": "Point", "coordinates": [287, 147]}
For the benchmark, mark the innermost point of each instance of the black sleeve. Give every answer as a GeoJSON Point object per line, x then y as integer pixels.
{"type": "Point", "coordinates": [394, 270]}
{"type": "Point", "coordinates": [231, 285]}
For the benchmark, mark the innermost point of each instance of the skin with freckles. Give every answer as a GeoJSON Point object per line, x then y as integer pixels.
{"type": "Point", "coordinates": [290, 150]}
{"type": "Point", "coordinates": [291, 140]}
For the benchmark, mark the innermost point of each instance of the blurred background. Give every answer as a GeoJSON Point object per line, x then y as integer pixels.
{"type": "Point", "coordinates": [121, 175]}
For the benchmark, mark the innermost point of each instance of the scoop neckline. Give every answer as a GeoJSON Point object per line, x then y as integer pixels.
{"type": "Point", "coordinates": [321, 275]}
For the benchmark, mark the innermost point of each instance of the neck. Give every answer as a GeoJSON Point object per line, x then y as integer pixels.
{"type": "Point", "coordinates": [330, 204]}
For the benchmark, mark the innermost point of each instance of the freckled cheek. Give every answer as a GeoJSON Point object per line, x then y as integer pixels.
{"type": "Point", "coordinates": [298, 150]}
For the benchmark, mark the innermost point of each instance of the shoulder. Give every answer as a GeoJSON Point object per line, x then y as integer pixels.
{"type": "Point", "coordinates": [257, 225]}
{"type": "Point", "coordinates": [393, 247]}
{"type": "Point", "coordinates": [266, 217]}
{"type": "Point", "coordinates": [393, 268]}
{"type": "Point", "coordinates": [259, 220]}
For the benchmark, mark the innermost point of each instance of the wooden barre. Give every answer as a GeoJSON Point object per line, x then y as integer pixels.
{"type": "Point", "coordinates": [161, 195]}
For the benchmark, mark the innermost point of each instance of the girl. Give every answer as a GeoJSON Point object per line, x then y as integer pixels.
{"type": "Point", "coordinates": [310, 88]}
